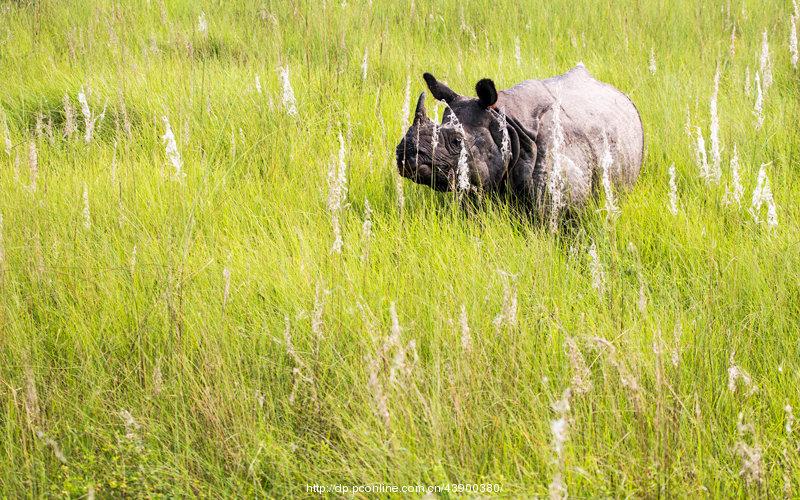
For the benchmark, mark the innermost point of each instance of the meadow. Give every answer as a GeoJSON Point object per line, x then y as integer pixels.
{"type": "Point", "coordinates": [178, 317]}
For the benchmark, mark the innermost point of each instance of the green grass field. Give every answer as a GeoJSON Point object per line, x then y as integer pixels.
{"type": "Point", "coordinates": [143, 344]}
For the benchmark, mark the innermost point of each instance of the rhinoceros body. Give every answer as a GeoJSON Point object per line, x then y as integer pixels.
{"type": "Point", "coordinates": [589, 109]}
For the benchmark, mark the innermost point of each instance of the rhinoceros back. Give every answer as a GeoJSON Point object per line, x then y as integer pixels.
{"type": "Point", "coordinates": [589, 109]}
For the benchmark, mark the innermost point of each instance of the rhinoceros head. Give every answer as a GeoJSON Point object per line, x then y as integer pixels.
{"type": "Point", "coordinates": [471, 130]}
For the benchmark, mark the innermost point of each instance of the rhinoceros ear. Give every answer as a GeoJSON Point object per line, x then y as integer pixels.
{"type": "Point", "coordinates": [487, 94]}
{"type": "Point", "coordinates": [440, 91]}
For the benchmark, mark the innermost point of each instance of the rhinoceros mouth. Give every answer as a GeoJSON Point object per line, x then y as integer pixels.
{"type": "Point", "coordinates": [425, 175]}
{"type": "Point", "coordinates": [424, 171]}
{"type": "Point", "coordinates": [438, 179]}
{"type": "Point", "coordinates": [421, 174]}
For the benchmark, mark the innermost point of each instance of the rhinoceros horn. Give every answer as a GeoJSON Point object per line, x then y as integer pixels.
{"type": "Point", "coordinates": [419, 114]}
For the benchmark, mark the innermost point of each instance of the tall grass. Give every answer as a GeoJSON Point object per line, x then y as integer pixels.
{"type": "Point", "coordinates": [200, 337]}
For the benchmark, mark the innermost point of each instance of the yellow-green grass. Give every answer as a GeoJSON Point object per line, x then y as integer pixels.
{"type": "Point", "coordinates": [89, 332]}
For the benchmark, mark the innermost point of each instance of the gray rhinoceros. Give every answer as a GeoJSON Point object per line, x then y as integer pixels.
{"type": "Point", "coordinates": [543, 142]}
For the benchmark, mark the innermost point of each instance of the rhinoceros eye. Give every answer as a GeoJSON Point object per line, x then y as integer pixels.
{"type": "Point", "coordinates": [454, 142]}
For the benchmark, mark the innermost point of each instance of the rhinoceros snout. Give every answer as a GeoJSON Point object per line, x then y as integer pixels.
{"type": "Point", "coordinates": [404, 162]}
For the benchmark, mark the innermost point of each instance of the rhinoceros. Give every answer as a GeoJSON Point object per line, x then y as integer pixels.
{"type": "Point", "coordinates": [542, 142]}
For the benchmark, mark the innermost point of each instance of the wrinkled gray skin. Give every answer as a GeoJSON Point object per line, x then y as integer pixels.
{"type": "Point", "coordinates": [588, 110]}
